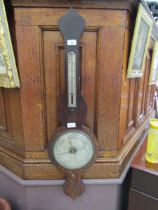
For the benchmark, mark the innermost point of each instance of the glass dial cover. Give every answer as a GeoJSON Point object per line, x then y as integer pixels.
{"type": "Point", "coordinates": [73, 150]}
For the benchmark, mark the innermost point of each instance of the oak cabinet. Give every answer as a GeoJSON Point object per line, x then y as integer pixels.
{"type": "Point", "coordinates": [118, 108]}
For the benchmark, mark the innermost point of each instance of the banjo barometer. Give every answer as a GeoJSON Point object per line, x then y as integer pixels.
{"type": "Point", "coordinates": [73, 146]}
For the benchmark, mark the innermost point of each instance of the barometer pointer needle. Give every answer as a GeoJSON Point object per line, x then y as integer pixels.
{"type": "Point", "coordinates": [70, 141]}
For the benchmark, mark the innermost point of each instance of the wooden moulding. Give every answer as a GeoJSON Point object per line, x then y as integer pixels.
{"type": "Point", "coordinates": [44, 169]}
{"type": "Point", "coordinates": [120, 4]}
{"type": "Point", "coordinates": [130, 5]}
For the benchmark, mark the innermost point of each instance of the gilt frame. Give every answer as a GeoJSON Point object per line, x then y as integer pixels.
{"type": "Point", "coordinates": [8, 71]}
{"type": "Point", "coordinates": [154, 65]}
{"type": "Point", "coordinates": [140, 43]}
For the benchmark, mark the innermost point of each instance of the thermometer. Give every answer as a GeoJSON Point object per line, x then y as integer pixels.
{"type": "Point", "coordinates": [72, 86]}
{"type": "Point", "coordinates": [72, 107]}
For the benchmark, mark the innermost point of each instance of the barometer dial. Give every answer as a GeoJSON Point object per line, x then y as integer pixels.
{"type": "Point", "coordinates": [73, 149]}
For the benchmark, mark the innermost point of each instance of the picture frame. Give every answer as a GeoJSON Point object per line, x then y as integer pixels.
{"type": "Point", "coordinates": [140, 43]}
{"type": "Point", "coordinates": [8, 71]}
{"type": "Point", "coordinates": [154, 65]}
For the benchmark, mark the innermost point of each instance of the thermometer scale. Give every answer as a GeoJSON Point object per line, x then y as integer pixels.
{"type": "Point", "coordinates": [72, 94]}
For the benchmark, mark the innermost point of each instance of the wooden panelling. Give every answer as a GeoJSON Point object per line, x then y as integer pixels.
{"type": "Point", "coordinates": [54, 75]}
{"type": "Point", "coordinates": [142, 107]}
{"type": "Point", "coordinates": [44, 85]}
{"type": "Point", "coordinates": [29, 61]}
{"type": "Point", "coordinates": [148, 99]}
{"type": "Point", "coordinates": [28, 116]}
{"type": "Point", "coordinates": [136, 102]}
{"type": "Point", "coordinates": [124, 88]}
{"type": "Point", "coordinates": [119, 4]}
{"type": "Point", "coordinates": [110, 61]}
{"type": "Point", "coordinates": [2, 112]}
{"type": "Point", "coordinates": [11, 134]}
{"type": "Point", "coordinates": [139, 94]}
{"type": "Point", "coordinates": [38, 166]}
{"type": "Point", "coordinates": [146, 83]}
{"type": "Point", "coordinates": [50, 17]}
{"type": "Point", "coordinates": [131, 104]}
{"type": "Point", "coordinates": [152, 93]}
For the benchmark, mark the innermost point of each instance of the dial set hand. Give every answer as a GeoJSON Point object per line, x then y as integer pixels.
{"type": "Point", "coordinates": [70, 141]}
{"type": "Point", "coordinates": [73, 149]}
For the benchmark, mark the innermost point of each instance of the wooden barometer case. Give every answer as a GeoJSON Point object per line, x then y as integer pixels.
{"type": "Point", "coordinates": [73, 146]}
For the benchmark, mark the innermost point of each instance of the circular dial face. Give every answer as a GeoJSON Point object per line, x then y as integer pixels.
{"type": "Point", "coordinates": [73, 150]}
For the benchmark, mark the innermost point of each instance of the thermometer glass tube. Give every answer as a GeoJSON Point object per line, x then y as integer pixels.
{"type": "Point", "coordinates": [72, 79]}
